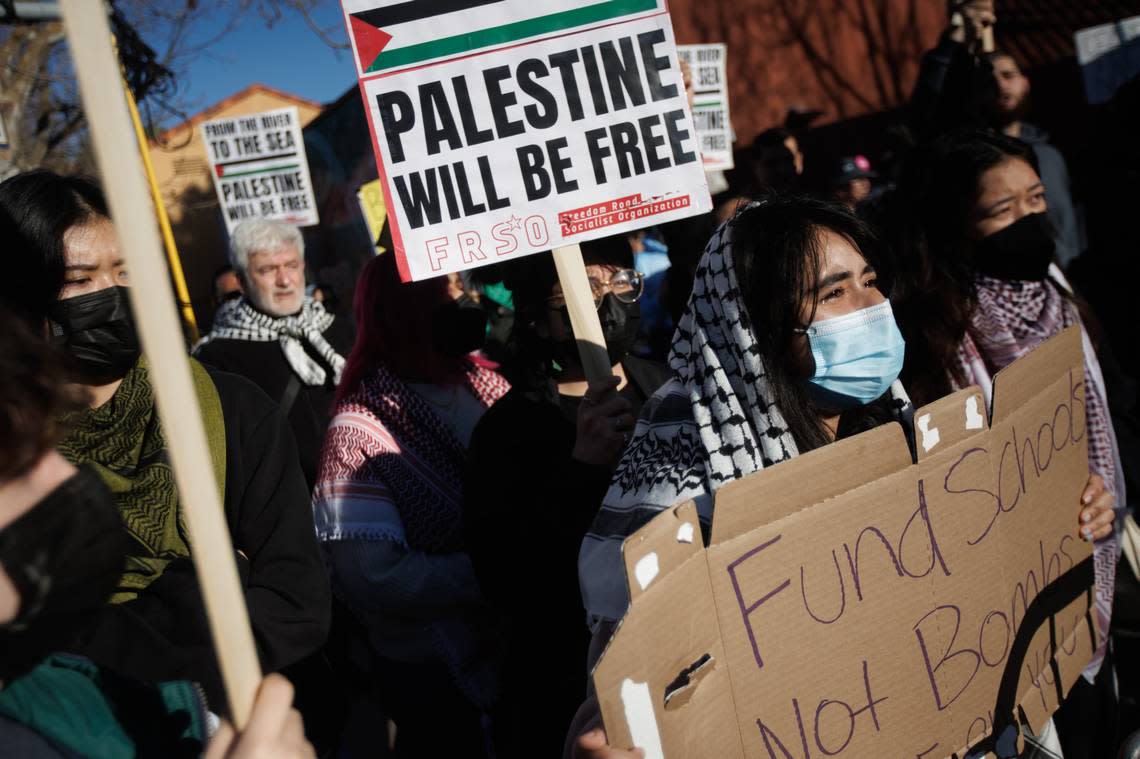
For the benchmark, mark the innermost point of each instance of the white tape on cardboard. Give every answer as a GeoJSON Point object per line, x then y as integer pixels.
{"type": "Point", "coordinates": [930, 435]}
{"type": "Point", "coordinates": [646, 569]}
{"type": "Point", "coordinates": [638, 704]}
{"type": "Point", "coordinates": [974, 418]}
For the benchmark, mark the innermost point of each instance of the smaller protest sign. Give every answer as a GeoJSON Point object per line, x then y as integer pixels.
{"type": "Point", "coordinates": [371, 199]}
{"type": "Point", "coordinates": [710, 102]}
{"type": "Point", "coordinates": [260, 169]}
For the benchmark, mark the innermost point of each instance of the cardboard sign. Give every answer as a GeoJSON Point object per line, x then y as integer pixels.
{"type": "Point", "coordinates": [506, 128]}
{"type": "Point", "coordinates": [260, 169]}
{"type": "Point", "coordinates": [710, 102]}
{"type": "Point", "coordinates": [854, 604]}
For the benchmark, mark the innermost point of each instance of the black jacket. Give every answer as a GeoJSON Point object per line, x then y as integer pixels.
{"type": "Point", "coordinates": [163, 633]}
{"type": "Point", "coordinates": [527, 505]}
{"type": "Point", "coordinates": [265, 364]}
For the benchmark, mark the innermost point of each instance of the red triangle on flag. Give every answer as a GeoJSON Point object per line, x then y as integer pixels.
{"type": "Point", "coordinates": [369, 41]}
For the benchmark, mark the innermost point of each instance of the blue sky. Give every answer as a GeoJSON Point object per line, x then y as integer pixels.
{"type": "Point", "coordinates": [288, 56]}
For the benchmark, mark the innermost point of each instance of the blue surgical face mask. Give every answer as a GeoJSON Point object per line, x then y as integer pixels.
{"type": "Point", "coordinates": [857, 357]}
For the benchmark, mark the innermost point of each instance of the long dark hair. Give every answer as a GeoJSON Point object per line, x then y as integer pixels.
{"type": "Point", "coordinates": [394, 328]}
{"type": "Point", "coordinates": [40, 207]}
{"type": "Point", "coordinates": [934, 292]}
{"type": "Point", "coordinates": [33, 396]}
{"type": "Point", "coordinates": [776, 246]}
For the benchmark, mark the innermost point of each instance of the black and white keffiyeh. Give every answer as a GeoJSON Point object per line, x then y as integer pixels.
{"type": "Point", "coordinates": [239, 320]}
{"type": "Point", "coordinates": [714, 422]}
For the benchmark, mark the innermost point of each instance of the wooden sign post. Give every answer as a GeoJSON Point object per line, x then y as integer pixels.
{"type": "Point", "coordinates": [583, 312]}
{"type": "Point", "coordinates": [89, 38]}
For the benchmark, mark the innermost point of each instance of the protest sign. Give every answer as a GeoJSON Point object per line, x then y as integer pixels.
{"type": "Point", "coordinates": [503, 128]}
{"type": "Point", "coordinates": [259, 167]}
{"type": "Point", "coordinates": [372, 208]}
{"type": "Point", "coordinates": [709, 78]}
{"type": "Point", "coordinates": [3, 129]}
{"type": "Point", "coordinates": [852, 603]}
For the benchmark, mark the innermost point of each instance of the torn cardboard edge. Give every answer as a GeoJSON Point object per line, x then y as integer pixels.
{"type": "Point", "coordinates": [708, 648]}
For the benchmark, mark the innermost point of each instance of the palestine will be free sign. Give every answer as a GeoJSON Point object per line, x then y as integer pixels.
{"type": "Point", "coordinates": [508, 127]}
{"type": "Point", "coordinates": [260, 169]}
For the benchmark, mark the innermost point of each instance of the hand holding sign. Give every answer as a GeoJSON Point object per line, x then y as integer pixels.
{"type": "Point", "coordinates": [1097, 515]}
{"type": "Point", "coordinates": [592, 745]}
{"type": "Point", "coordinates": [972, 21]}
{"type": "Point", "coordinates": [604, 425]}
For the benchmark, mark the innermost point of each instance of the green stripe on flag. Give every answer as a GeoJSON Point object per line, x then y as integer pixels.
{"type": "Point", "coordinates": [261, 171]}
{"type": "Point", "coordinates": [498, 35]}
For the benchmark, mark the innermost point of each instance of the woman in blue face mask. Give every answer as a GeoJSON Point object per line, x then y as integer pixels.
{"type": "Point", "coordinates": [787, 344]}
{"type": "Point", "coordinates": [976, 289]}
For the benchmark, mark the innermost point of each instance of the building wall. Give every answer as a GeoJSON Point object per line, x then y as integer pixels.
{"type": "Point", "coordinates": [182, 169]}
{"type": "Point", "coordinates": [846, 58]}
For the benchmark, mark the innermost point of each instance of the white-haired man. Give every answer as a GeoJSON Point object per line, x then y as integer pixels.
{"type": "Point", "coordinates": [277, 336]}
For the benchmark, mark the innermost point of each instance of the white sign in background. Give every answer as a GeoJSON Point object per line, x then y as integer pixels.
{"type": "Point", "coordinates": [709, 74]}
{"type": "Point", "coordinates": [259, 167]}
{"type": "Point", "coordinates": [546, 144]}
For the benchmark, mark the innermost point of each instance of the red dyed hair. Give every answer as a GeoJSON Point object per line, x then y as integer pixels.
{"type": "Point", "coordinates": [394, 328]}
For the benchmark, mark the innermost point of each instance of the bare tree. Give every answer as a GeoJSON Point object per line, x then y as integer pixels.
{"type": "Point", "coordinates": [158, 44]}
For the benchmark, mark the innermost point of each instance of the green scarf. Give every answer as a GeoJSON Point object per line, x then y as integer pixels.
{"type": "Point", "coordinates": [95, 713]}
{"type": "Point", "coordinates": [122, 441]}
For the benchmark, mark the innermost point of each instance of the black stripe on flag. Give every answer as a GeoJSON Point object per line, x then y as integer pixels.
{"type": "Point", "coordinates": [416, 10]}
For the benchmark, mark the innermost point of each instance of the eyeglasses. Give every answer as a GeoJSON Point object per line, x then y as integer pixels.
{"type": "Point", "coordinates": [626, 285]}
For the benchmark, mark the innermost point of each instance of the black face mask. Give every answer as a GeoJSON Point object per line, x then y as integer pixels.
{"type": "Point", "coordinates": [620, 324]}
{"type": "Point", "coordinates": [98, 331]}
{"type": "Point", "coordinates": [458, 329]}
{"type": "Point", "coordinates": [65, 557]}
{"type": "Point", "coordinates": [1023, 250]}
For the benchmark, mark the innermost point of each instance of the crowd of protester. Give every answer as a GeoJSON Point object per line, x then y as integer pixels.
{"type": "Point", "coordinates": [427, 501]}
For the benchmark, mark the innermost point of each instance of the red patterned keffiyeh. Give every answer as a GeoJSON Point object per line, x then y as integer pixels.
{"type": "Point", "coordinates": [1012, 318]}
{"type": "Point", "coordinates": [385, 446]}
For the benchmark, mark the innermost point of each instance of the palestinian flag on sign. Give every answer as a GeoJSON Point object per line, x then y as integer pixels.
{"type": "Point", "coordinates": [398, 34]}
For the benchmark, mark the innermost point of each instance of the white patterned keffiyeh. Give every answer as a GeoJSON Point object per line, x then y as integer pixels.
{"type": "Point", "coordinates": [713, 423]}
{"type": "Point", "coordinates": [241, 321]}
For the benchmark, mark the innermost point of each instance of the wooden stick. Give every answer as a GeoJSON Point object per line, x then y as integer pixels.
{"type": "Point", "coordinates": [89, 38]}
{"type": "Point", "coordinates": [583, 312]}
